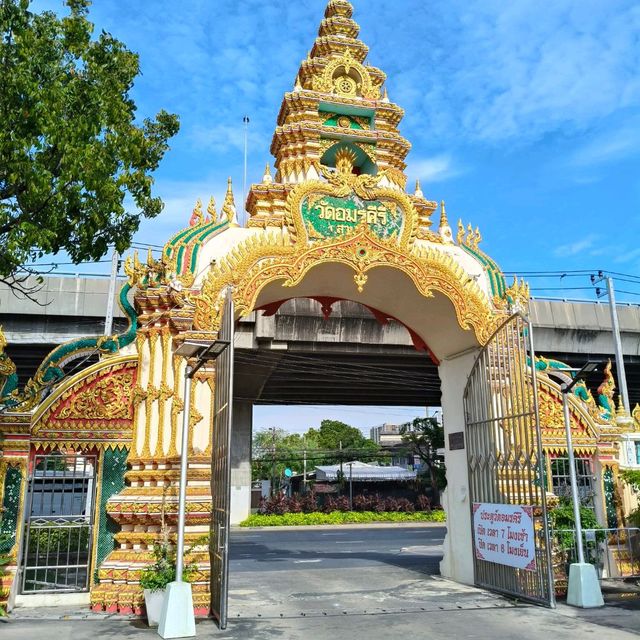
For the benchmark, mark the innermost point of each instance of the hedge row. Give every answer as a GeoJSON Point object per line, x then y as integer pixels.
{"type": "Point", "coordinates": [279, 504]}
{"type": "Point", "coordinates": [341, 517]}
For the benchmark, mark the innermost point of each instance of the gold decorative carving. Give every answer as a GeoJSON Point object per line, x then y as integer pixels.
{"type": "Point", "coordinates": [109, 398]}
{"type": "Point", "coordinates": [346, 77]}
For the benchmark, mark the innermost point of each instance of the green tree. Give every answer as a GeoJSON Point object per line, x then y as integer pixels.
{"type": "Point", "coordinates": [334, 434]}
{"type": "Point", "coordinates": [70, 146]}
{"type": "Point", "coordinates": [423, 437]}
{"type": "Point", "coordinates": [274, 450]}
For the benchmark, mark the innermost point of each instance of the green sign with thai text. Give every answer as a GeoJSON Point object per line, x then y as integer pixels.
{"type": "Point", "coordinates": [327, 216]}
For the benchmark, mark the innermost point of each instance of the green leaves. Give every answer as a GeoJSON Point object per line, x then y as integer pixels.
{"type": "Point", "coordinates": [70, 146]}
{"type": "Point", "coordinates": [341, 517]}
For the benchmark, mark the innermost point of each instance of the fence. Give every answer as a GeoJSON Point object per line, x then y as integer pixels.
{"type": "Point", "coordinates": [615, 553]}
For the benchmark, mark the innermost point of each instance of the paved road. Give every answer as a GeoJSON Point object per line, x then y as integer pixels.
{"type": "Point", "coordinates": [343, 571]}
{"type": "Point", "coordinates": [373, 583]}
{"type": "Point", "coordinates": [416, 548]}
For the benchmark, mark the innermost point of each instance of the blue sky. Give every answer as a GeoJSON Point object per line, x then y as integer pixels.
{"type": "Point", "coordinates": [524, 116]}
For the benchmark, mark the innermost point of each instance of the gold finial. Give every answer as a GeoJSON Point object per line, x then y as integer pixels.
{"type": "Point", "coordinates": [345, 160]}
{"type": "Point", "coordinates": [444, 230]}
{"type": "Point", "coordinates": [418, 192]}
{"type": "Point", "coordinates": [149, 256]}
{"type": "Point", "coordinates": [385, 95]}
{"type": "Point", "coordinates": [229, 205]}
{"type": "Point", "coordinates": [460, 236]}
{"type": "Point", "coordinates": [197, 216]}
{"type": "Point", "coordinates": [211, 209]}
{"type": "Point", "coordinates": [266, 178]}
{"type": "Point", "coordinates": [297, 86]}
{"type": "Point", "coordinates": [443, 215]}
{"type": "Point", "coordinates": [3, 340]}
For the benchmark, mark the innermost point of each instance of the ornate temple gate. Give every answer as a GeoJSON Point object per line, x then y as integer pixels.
{"type": "Point", "coordinates": [221, 467]}
{"type": "Point", "coordinates": [504, 452]}
{"type": "Point", "coordinates": [59, 523]}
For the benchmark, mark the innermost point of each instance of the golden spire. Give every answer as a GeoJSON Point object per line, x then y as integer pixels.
{"type": "Point", "coordinates": [211, 209]}
{"type": "Point", "coordinates": [341, 8]}
{"type": "Point", "coordinates": [460, 237]}
{"type": "Point", "coordinates": [444, 230]}
{"type": "Point", "coordinates": [266, 178]}
{"type": "Point", "coordinates": [297, 86]}
{"type": "Point", "coordinates": [385, 95]}
{"type": "Point", "coordinates": [229, 205]}
{"type": "Point", "coordinates": [443, 215]}
{"type": "Point", "coordinates": [418, 192]}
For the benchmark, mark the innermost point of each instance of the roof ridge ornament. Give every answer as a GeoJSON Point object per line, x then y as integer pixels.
{"type": "Point", "coordinates": [211, 210]}
{"type": "Point", "coordinates": [197, 217]}
{"type": "Point", "coordinates": [229, 206]}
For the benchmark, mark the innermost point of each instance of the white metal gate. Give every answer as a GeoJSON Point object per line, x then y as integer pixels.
{"type": "Point", "coordinates": [221, 468]}
{"type": "Point", "coordinates": [59, 523]}
{"type": "Point", "coordinates": [504, 454]}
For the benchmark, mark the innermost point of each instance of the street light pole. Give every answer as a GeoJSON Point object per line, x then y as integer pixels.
{"type": "Point", "coordinates": [584, 587]}
{"type": "Point", "coordinates": [177, 618]}
{"type": "Point", "coordinates": [575, 498]}
{"type": "Point", "coordinates": [351, 486]}
{"type": "Point", "coordinates": [182, 495]}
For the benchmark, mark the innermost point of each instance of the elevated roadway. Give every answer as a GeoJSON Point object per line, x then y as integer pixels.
{"type": "Point", "coordinates": [296, 356]}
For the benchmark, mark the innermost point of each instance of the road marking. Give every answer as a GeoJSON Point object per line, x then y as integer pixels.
{"type": "Point", "coordinates": [334, 534]}
{"type": "Point", "coordinates": [306, 561]}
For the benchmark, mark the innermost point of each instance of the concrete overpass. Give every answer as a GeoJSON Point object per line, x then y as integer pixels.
{"type": "Point", "coordinates": [296, 356]}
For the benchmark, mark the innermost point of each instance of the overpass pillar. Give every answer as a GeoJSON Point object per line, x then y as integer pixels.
{"type": "Point", "coordinates": [457, 562]}
{"type": "Point", "coordinates": [241, 461]}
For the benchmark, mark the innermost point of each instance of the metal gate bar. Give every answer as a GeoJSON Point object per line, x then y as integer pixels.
{"type": "Point", "coordinates": [504, 453]}
{"type": "Point", "coordinates": [221, 468]}
{"type": "Point", "coordinates": [59, 524]}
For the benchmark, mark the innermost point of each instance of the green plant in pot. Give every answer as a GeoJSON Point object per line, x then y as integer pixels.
{"type": "Point", "coordinates": [158, 575]}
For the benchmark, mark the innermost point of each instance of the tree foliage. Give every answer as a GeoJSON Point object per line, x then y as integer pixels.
{"type": "Point", "coordinates": [423, 437]}
{"type": "Point", "coordinates": [274, 450]}
{"type": "Point", "coordinates": [70, 146]}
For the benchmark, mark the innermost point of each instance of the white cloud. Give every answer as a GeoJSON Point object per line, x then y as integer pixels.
{"type": "Point", "coordinates": [434, 169]}
{"type": "Point", "coordinates": [574, 248]}
{"type": "Point", "coordinates": [608, 146]}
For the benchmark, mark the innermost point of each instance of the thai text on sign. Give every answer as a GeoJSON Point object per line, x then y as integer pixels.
{"type": "Point", "coordinates": [331, 216]}
{"type": "Point", "coordinates": [504, 534]}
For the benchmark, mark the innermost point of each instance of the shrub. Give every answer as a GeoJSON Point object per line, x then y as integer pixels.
{"type": "Point", "coordinates": [423, 503]}
{"type": "Point", "coordinates": [340, 517]}
{"type": "Point", "coordinates": [405, 506]}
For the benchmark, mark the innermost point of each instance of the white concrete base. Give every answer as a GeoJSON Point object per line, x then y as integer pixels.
{"type": "Point", "coordinates": [53, 600]}
{"type": "Point", "coordinates": [177, 619]}
{"type": "Point", "coordinates": [240, 508]}
{"type": "Point", "coordinates": [584, 588]}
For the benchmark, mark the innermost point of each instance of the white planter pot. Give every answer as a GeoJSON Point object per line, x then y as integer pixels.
{"type": "Point", "coordinates": [153, 603]}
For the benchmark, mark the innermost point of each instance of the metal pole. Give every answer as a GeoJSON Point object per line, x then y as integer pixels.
{"type": "Point", "coordinates": [304, 471]}
{"type": "Point", "coordinates": [351, 486]}
{"type": "Point", "coordinates": [184, 463]}
{"type": "Point", "coordinates": [108, 320]}
{"type": "Point", "coordinates": [273, 460]}
{"type": "Point", "coordinates": [617, 343]}
{"type": "Point", "coordinates": [572, 476]}
{"type": "Point", "coordinates": [245, 120]}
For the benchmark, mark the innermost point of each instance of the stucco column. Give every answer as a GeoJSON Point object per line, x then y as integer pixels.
{"type": "Point", "coordinates": [457, 562]}
{"type": "Point", "coordinates": [241, 461]}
